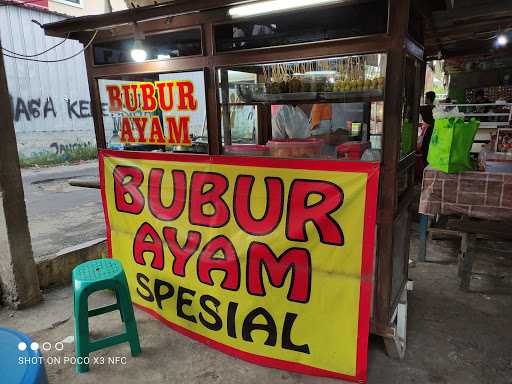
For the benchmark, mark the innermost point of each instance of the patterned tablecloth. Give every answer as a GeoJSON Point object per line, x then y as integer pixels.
{"type": "Point", "coordinates": [481, 195]}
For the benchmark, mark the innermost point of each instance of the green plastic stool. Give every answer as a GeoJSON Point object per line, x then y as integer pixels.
{"type": "Point", "coordinates": [90, 277]}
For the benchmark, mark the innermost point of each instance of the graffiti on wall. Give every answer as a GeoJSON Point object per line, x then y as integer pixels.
{"type": "Point", "coordinates": [38, 139]}
{"type": "Point", "coordinates": [48, 126]}
{"type": "Point", "coordinates": [35, 139]}
{"type": "Point", "coordinates": [44, 107]}
{"type": "Point", "coordinates": [60, 148]}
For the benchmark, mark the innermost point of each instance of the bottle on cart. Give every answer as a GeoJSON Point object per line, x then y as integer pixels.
{"type": "Point", "coordinates": [115, 142]}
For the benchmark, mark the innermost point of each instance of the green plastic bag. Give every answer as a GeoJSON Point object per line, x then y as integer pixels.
{"type": "Point", "coordinates": [451, 144]}
{"type": "Point", "coordinates": [406, 144]}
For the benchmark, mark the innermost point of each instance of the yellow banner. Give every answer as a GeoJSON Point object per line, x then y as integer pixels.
{"type": "Point", "coordinates": [269, 260]}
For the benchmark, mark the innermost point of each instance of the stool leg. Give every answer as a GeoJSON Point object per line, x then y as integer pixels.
{"type": "Point", "coordinates": [119, 305]}
{"type": "Point", "coordinates": [126, 309]}
{"type": "Point", "coordinates": [422, 252]}
{"type": "Point", "coordinates": [131, 328]}
{"type": "Point", "coordinates": [81, 332]}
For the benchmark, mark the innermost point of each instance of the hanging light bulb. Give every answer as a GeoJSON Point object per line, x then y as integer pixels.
{"type": "Point", "coordinates": [502, 40]}
{"type": "Point", "coordinates": [138, 52]}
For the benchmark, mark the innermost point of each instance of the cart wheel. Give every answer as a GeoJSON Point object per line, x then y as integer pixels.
{"type": "Point", "coordinates": [395, 345]}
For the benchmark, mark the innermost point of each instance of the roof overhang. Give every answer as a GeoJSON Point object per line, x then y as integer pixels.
{"type": "Point", "coordinates": [76, 25]}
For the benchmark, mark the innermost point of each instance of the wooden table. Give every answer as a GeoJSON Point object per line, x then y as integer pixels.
{"type": "Point", "coordinates": [481, 200]}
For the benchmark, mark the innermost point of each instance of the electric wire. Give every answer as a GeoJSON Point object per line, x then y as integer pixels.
{"type": "Point", "coordinates": [56, 60]}
{"type": "Point", "coordinates": [37, 54]}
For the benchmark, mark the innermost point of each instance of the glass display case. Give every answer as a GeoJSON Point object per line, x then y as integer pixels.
{"type": "Point", "coordinates": [326, 108]}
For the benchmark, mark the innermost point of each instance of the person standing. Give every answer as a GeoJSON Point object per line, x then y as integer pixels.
{"type": "Point", "coordinates": [289, 122]}
{"type": "Point", "coordinates": [331, 122]}
{"type": "Point", "coordinates": [427, 115]}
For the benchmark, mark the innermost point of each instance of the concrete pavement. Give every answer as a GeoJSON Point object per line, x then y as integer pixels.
{"type": "Point", "coordinates": [60, 215]}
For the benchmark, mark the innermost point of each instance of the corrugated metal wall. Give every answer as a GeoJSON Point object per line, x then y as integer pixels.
{"type": "Point", "coordinates": [50, 101]}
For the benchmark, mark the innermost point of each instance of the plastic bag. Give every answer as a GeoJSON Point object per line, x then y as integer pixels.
{"type": "Point", "coordinates": [406, 144]}
{"type": "Point", "coordinates": [451, 144]}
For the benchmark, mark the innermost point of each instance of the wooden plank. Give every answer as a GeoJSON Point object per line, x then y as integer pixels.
{"type": "Point", "coordinates": [323, 49]}
{"type": "Point", "coordinates": [157, 66]}
{"type": "Point", "coordinates": [497, 229]}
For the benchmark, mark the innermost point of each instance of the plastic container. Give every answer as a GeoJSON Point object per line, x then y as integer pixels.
{"type": "Point", "coordinates": [19, 363]}
{"type": "Point", "coordinates": [248, 92]}
{"type": "Point", "coordinates": [246, 150]}
{"type": "Point", "coordinates": [352, 150]}
{"type": "Point", "coordinates": [496, 162]}
{"type": "Point", "coordinates": [296, 148]}
{"type": "Point", "coordinates": [115, 142]}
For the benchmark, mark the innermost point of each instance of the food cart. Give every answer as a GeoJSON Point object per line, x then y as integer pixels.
{"type": "Point", "coordinates": [364, 54]}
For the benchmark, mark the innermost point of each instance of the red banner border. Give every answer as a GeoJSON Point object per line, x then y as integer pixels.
{"type": "Point", "coordinates": [371, 169]}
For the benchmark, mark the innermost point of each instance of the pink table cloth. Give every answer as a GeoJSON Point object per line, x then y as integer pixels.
{"type": "Point", "coordinates": [482, 195]}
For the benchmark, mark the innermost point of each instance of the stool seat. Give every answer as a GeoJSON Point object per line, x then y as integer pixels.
{"type": "Point", "coordinates": [90, 277]}
{"type": "Point", "coordinates": [96, 270]}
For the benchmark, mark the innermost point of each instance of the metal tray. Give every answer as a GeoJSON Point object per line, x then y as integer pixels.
{"type": "Point", "coordinates": [351, 94]}
{"type": "Point", "coordinates": [297, 96]}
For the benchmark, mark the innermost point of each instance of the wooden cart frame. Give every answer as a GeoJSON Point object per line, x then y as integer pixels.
{"type": "Point", "coordinates": [393, 220]}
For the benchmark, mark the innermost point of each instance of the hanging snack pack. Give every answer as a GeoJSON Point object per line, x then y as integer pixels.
{"type": "Point", "coordinates": [451, 144]}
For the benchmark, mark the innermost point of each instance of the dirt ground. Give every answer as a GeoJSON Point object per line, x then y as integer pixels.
{"type": "Point", "coordinates": [453, 337]}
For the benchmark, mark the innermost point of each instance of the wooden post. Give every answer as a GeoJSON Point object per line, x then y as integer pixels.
{"type": "Point", "coordinates": [212, 96]}
{"type": "Point", "coordinates": [264, 131]}
{"type": "Point", "coordinates": [398, 25]}
{"type": "Point", "coordinates": [18, 274]}
{"type": "Point", "coordinates": [226, 109]}
{"type": "Point", "coordinates": [96, 110]}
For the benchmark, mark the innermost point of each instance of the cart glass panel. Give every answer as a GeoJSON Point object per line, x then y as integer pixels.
{"type": "Point", "coordinates": [160, 46]}
{"type": "Point", "coordinates": [302, 26]}
{"type": "Point", "coordinates": [328, 108]}
{"type": "Point", "coordinates": [409, 107]}
{"type": "Point", "coordinates": [163, 112]}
